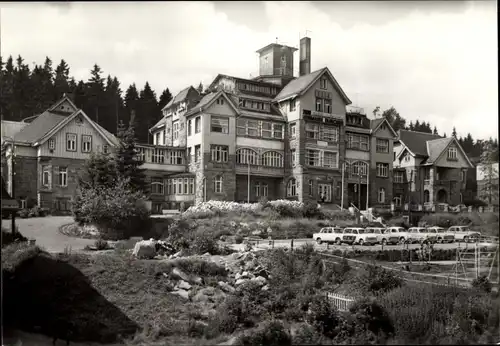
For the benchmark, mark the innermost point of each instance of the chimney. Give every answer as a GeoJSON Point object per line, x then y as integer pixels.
{"type": "Point", "coordinates": [305, 56]}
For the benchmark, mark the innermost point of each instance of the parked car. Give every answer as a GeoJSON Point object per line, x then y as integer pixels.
{"type": "Point", "coordinates": [328, 235]}
{"type": "Point", "coordinates": [359, 236]}
{"type": "Point", "coordinates": [419, 235]}
{"type": "Point", "coordinates": [396, 235]}
{"type": "Point", "coordinates": [464, 233]}
{"type": "Point", "coordinates": [379, 233]}
{"type": "Point", "coordinates": [442, 235]}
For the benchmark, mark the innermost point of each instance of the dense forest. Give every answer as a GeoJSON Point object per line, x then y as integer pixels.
{"type": "Point", "coordinates": [26, 92]}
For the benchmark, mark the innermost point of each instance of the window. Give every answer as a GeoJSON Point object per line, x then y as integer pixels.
{"type": "Point", "coordinates": [292, 128]}
{"type": "Point", "coordinates": [177, 157]}
{"type": "Point", "coordinates": [382, 170]}
{"type": "Point", "coordinates": [330, 159]}
{"type": "Point", "coordinates": [241, 127]}
{"type": "Point", "coordinates": [463, 175]}
{"type": "Point", "coordinates": [86, 143]}
{"type": "Point", "coordinates": [175, 126]}
{"type": "Point", "coordinates": [158, 156]}
{"type": "Point", "coordinates": [278, 131]}
{"type": "Point", "coordinates": [427, 196]}
{"type": "Point", "coordinates": [63, 176]}
{"type": "Point", "coordinates": [220, 101]}
{"type": "Point", "coordinates": [70, 142]}
{"type": "Point", "coordinates": [157, 138]}
{"type": "Point", "coordinates": [157, 186]}
{"type": "Point", "coordinates": [218, 184]}
{"type": "Point", "coordinates": [105, 149]}
{"type": "Point", "coordinates": [189, 127]}
{"type": "Point", "coordinates": [358, 168]}
{"type": "Point", "coordinates": [169, 186]}
{"type": "Point", "coordinates": [452, 153]}
{"type": "Point", "coordinates": [264, 190]}
{"type": "Point", "coordinates": [257, 189]}
{"type": "Point", "coordinates": [338, 190]}
{"type": "Point", "coordinates": [45, 176]}
{"type": "Point", "coordinates": [382, 145]}
{"type": "Point", "coordinates": [311, 187]}
{"type": "Point", "coordinates": [197, 125]}
{"type": "Point", "coordinates": [357, 142]}
{"type": "Point", "coordinates": [323, 83]}
{"type": "Point", "coordinates": [397, 201]}
{"type": "Point", "coordinates": [186, 185]}
{"type": "Point", "coordinates": [52, 144]}
{"type": "Point", "coordinates": [291, 188]}
{"type": "Point", "coordinates": [197, 152]}
{"type": "Point", "coordinates": [330, 133]}
{"type": "Point", "coordinates": [293, 105]}
{"type": "Point", "coordinates": [381, 195]}
{"type": "Point", "coordinates": [252, 128]}
{"type": "Point", "coordinates": [319, 105]}
{"type": "Point", "coordinates": [23, 203]}
{"type": "Point", "coordinates": [191, 186]}
{"type": "Point", "coordinates": [272, 159]}
{"type": "Point", "coordinates": [312, 131]}
{"type": "Point", "coordinates": [328, 106]}
{"type": "Point", "coordinates": [293, 158]}
{"type": "Point", "coordinates": [220, 125]}
{"type": "Point", "coordinates": [246, 156]}
{"type": "Point", "coordinates": [398, 177]}
{"type": "Point", "coordinates": [312, 157]}
{"type": "Point", "coordinates": [219, 153]}
{"type": "Point", "coordinates": [267, 130]}
{"type": "Point", "coordinates": [188, 155]}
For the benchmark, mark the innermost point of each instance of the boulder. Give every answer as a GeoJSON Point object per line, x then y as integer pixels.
{"type": "Point", "coordinates": [265, 288]}
{"type": "Point", "coordinates": [145, 249]}
{"type": "Point", "coordinates": [183, 285]}
{"type": "Point", "coordinates": [240, 281]}
{"type": "Point", "coordinates": [226, 287]}
{"type": "Point", "coordinates": [260, 280]}
{"type": "Point", "coordinates": [181, 293]}
{"type": "Point", "coordinates": [200, 298]}
{"type": "Point", "coordinates": [257, 232]}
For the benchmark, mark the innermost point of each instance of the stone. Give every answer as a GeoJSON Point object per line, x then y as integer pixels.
{"type": "Point", "coordinates": [183, 285]}
{"type": "Point", "coordinates": [257, 232]}
{"type": "Point", "coordinates": [200, 298]}
{"type": "Point", "coordinates": [181, 293]}
{"type": "Point", "coordinates": [226, 287]}
{"type": "Point", "coordinates": [265, 288]}
{"type": "Point", "coordinates": [240, 281]}
{"type": "Point", "coordinates": [207, 254]}
{"type": "Point", "coordinates": [245, 274]}
{"type": "Point", "coordinates": [179, 274]}
{"type": "Point", "coordinates": [260, 280]}
{"type": "Point", "coordinates": [145, 249]}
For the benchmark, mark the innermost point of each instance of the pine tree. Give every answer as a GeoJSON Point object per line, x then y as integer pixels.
{"type": "Point", "coordinates": [165, 98]}
{"type": "Point", "coordinates": [417, 125]}
{"type": "Point", "coordinates": [376, 111]}
{"type": "Point", "coordinates": [125, 157]}
{"type": "Point", "coordinates": [131, 102]}
{"type": "Point", "coordinates": [79, 94]}
{"type": "Point", "coordinates": [95, 95]}
{"type": "Point", "coordinates": [411, 127]}
{"type": "Point", "coordinates": [7, 89]}
{"type": "Point", "coordinates": [444, 135]}
{"type": "Point", "coordinates": [148, 113]}
{"type": "Point", "coordinates": [61, 80]}
{"type": "Point", "coordinates": [98, 171]}
{"type": "Point", "coordinates": [113, 104]}
{"type": "Point", "coordinates": [435, 132]}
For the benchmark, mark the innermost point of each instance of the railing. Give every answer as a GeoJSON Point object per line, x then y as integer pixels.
{"type": "Point", "coordinates": [356, 110]}
{"type": "Point", "coordinates": [161, 155]}
{"type": "Point", "coordinates": [341, 302]}
{"type": "Point", "coordinates": [242, 168]}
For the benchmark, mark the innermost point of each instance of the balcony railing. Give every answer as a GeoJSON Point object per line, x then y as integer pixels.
{"type": "Point", "coordinates": [151, 156]}
{"type": "Point", "coordinates": [259, 170]}
{"type": "Point", "coordinates": [322, 116]}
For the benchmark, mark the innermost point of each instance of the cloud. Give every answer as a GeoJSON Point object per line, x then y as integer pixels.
{"type": "Point", "coordinates": [436, 64]}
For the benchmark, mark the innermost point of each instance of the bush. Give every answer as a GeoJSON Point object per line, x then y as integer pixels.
{"type": "Point", "coordinates": [372, 317]}
{"type": "Point", "coordinates": [101, 244]}
{"type": "Point", "coordinates": [117, 211]}
{"type": "Point", "coordinates": [270, 333]}
{"type": "Point", "coordinates": [9, 238]}
{"type": "Point", "coordinates": [238, 239]}
{"type": "Point", "coordinates": [482, 283]}
{"type": "Point", "coordinates": [15, 254]}
{"type": "Point", "coordinates": [306, 335]}
{"type": "Point", "coordinates": [375, 280]}
{"type": "Point", "coordinates": [311, 210]}
{"type": "Point", "coordinates": [322, 316]}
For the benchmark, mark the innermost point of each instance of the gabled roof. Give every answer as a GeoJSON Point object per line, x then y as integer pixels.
{"type": "Point", "coordinates": [220, 75]}
{"type": "Point", "coordinates": [208, 100]}
{"type": "Point", "coordinates": [416, 142]}
{"type": "Point", "coordinates": [11, 128]}
{"type": "Point", "coordinates": [111, 137]}
{"type": "Point", "coordinates": [376, 123]}
{"type": "Point", "coordinates": [39, 127]}
{"type": "Point", "coordinates": [302, 84]}
{"type": "Point", "coordinates": [436, 147]}
{"type": "Point", "coordinates": [181, 96]}
{"type": "Point", "coordinates": [65, 98]}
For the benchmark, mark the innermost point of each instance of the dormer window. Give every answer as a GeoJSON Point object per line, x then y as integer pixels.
{"type": "Point", "coordinates": [220, 101]}
{"type": "Point", "coordinates": [323, 83]}
{"type": "Point", "coordinates": [452, 153]}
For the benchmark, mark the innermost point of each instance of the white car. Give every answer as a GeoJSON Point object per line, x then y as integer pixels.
{"type": "Point", "coordinates": [441, 234]}
{"type": "Point", "coordinates": [418, 234]}
{"type": "Point", "coordinates": [463, 233]}
{"type": "Point", "coordinates": [379, 232]}
{"type": "Point", "coordinates": [396, 235]}
{"type": "Point", "coordinates": [357, 235]}
{"type": "Point", "coordinates": [328, 235]}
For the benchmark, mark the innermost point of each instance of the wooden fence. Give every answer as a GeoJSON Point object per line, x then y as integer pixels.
{"type": "Point", "coordinates": [341, 302]}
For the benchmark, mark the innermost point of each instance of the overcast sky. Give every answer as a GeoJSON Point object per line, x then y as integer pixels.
{"type": "Point", "coordinates": [433, 61]}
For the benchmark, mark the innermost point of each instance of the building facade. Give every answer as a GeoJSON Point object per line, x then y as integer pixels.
{"type": "Point", "coordinates": [429, 170]}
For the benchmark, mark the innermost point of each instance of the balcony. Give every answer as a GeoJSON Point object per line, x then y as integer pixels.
{"type": "Point", "coordinates": [260, 170]}
{"type": "Point", "coordinates": [323, 117]}
{"type": "Point", "coordinates": [162, 158]}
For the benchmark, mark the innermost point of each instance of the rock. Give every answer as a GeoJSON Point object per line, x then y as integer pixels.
{"type": "Point", "coordinates": [259, 271]}
{"type": "Point", "coordinates": [179, 274]}
{"type": "Point", "coordinates": [208, 291]}
{"type": "Point", "coordinates": [257, 232]}
{"type": "Point", "coordinates": [260, 280]}
{"type": "Point", "coordinates": [265, 288]}
{"type": "Point", "coordinates": [183, 285]}
{"type": "Point", "coordinates": [145, 249]}
{"type": "Point", "coordinates": [226, 287]}
{"type": "Point", "coordinates": [200, 298]}
{"type": "Point", "coordinates": [181, 293]}
{"type": "Point", "coordinates": [177, 254]}
{"type": "Point", "coordinates": [197, 280]}
{"type": "Point", "coordinates": [207, 254]}
{"type": "Point", "coordinates": [240, 281]}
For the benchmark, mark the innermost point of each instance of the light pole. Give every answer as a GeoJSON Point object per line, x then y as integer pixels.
{"type": "Point", "coordinates": [12, 175]}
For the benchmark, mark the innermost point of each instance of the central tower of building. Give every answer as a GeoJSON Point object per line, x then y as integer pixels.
{"type": "Point", "coordinates": [276, 64]}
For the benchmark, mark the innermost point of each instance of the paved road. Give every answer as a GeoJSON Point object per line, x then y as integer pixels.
{"type": "Point", "coordinates": [46, 232]}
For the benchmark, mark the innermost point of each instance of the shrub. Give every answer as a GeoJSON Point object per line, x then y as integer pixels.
{"type": "Point", "coordinates": [375, 279]}
{"type": "Point", "coordinates": [311, 210]}
{"type": "Point", "coordinates": [101, 244]}
{"type": "Point", "coordinates": [199, 267]}
{"type": "Point", "coordinates": [204, 242]}
{"type": "Point", "coordinates": [15, 254]}
{"type": "Point", "coordinates": [306, 335]}
{"type": "Point", "coordinates": [482, 283]}
{"type": "Point", "coordinates": [238, 239]}
{"type": "Point", "coordinates": [118, 211]}
{"type": "Point", "coordinates": [9, 238]}
{"type": "Point", "coordinates": [270, 333]}
{"type": "Point", "coordinates": [372, 317]}
{"type": "Point", "coordinates": [322, 316]}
